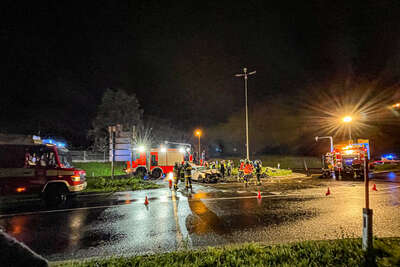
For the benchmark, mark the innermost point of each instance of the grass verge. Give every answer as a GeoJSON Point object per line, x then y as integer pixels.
{"type": "Point", "coordinates": [343, 252]}
{"type": "Point", "coordinates": [387, 167]}
{"type": "Point", "coordinates": [101, 184]}
{"type": "Point", "coordinates": [96, 169]}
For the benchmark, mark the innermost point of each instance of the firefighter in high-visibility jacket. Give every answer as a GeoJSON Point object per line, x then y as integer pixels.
{"type": "Point", "coordinates": [176, 175]}
{"type": "Point", "coordinates": [188, 176]}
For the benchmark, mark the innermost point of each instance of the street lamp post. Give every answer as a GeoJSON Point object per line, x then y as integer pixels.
{"type": "Point", "coordinates": [198, 133]}
{"type": "Point", "coordinates": [367, 212]}
{"type": "Point", "coordinates": [245, 74]}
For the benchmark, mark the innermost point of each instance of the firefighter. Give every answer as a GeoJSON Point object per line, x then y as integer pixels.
{"type": "Point", "coordinates": [222, 169]}
{"type": "Point", "coordinates": [182, 172]}
{"type": "Point", "coordinates": [188, 176]}
{"type": "Point", "coordinates": [176, 175]}
{"type": "Point", "coordinates": [241, 168]}
{"type": "Point", "coordinates": [258, 168]}
{"type": "Point", "coordinates": [229, 168]}
{"type": "Point", "coordinates": [248, 171]}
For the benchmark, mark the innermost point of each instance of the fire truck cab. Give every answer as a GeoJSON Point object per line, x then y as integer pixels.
{"type": "Point", "coordinates": [34, 168]}
{"type": "Point", "coordinates": [157, 161]}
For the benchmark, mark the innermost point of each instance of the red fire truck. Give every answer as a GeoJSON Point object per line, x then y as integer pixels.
{"type": "Point", "coordinates": [157, 161]}
{"type": "Point", "coordinates": [28, 166]}
{"type": "Point", "coordinates": [346, 161]}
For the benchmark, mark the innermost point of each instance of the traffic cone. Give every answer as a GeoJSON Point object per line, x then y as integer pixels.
{"type": "Point", "coordinates": [374, 188]}
{"type": "Point", "coordinates": [328, 192]}
{"type": "Point", "coordinates": [170, 183]}
{"type": "Point", "coordinates": [259, 194]}
{"type": "Point", "coordinates": [146, 201]}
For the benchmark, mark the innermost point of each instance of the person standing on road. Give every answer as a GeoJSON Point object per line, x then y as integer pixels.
{"type": "Point", "coordinates": [188, 176]}
{"type": "Point", "coordinates": [241, 170]}
{"type": "Point", "coordinates": [258, 167]}
{"type": "Point", "coordinates": [222, 169]}
{"type": "Point", "coordinates": [229, 168]}
{"type": "Point", "coordinates": [176, 175]}
{"type": "Point", "coordinates": [182, 172]}
{"type": "Point", "coordinates": [248, 171]}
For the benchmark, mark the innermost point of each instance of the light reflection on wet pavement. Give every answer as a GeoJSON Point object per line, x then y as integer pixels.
{"type": "Point", "coordinates": [121, 224]}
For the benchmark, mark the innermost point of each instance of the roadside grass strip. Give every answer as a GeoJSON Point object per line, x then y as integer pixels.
{"type": "Point", "coordinates": [96, 169]}
{"type": "Point", "coordinates": [342, 252]}
{"type": "Point", "coordinates": [387, 167]}
{"type": "Point", "coordinates": [101, 184]}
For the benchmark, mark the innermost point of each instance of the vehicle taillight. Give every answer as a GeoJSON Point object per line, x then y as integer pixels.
{"type": "Point", "coordinates": [20, 189]}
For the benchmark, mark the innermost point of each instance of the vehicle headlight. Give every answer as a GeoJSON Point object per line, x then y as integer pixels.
{"type": "Point", "coordinates": [75, 178]}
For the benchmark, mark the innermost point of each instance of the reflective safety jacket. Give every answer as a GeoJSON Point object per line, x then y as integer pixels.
{"type": "Point", "coordinates": [188, 171]}
{"type": "Point", "coordinates": [248, 169]}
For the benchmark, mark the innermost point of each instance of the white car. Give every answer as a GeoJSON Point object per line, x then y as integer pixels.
{"type": "Point", "coordinates": [205, 175]}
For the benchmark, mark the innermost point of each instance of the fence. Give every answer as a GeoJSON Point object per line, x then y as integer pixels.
{"type": "Point", "coordinates": [88, 156]}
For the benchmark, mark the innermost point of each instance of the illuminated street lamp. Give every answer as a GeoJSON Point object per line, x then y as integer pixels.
{"type": "Point", "coordinates": [198, 134]}
{"type": "Point", "coordinates": [348, 120]}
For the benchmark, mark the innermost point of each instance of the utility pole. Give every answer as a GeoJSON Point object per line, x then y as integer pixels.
{"type": "Point", "coordinates": [367, 212]}
{"type": "Point", "coordinates": [245, 74]}
{"type": "Point", "coordinates": [112, 130]}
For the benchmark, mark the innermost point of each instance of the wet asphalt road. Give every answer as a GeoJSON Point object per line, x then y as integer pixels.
{"type": "Point", "coordinates": [104, 224]}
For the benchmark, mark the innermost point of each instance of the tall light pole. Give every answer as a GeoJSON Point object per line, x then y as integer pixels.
{"type": "Point", "coordinates": [198, 133]}
{"type": "Point", "coordinates": [245, 74]}
{"type": "Point", "coordinates": [367, 212]}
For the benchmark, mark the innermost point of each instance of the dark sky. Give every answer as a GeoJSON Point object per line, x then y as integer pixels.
{"type": "Point", "coordinates": [180, 57]}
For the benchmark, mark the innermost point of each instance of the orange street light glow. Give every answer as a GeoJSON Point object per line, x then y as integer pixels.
{"type": "Point", "coordinates": [198, 133]}
{"type": "Point", "coordinates": [347, 119]}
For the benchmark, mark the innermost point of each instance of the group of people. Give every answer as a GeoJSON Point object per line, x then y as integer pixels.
{"type": "Point", "coordinates": [224, 166]}
{"type": "Point", "coordinates": [247, 168]}
{"type": "Point", "coordinates": [183, 171]}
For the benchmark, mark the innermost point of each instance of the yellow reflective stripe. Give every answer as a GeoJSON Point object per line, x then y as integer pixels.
{"type": "Point", "coordinates": [56, 173]}
{"type": "Point", "coordinates": [51, 173]}
{"type": "Point", "coordinates": [16, 172]}
{"type": "Point", "coordinates": [65, 173]}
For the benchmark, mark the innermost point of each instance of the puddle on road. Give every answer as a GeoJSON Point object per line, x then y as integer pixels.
{"type": "Point", "coordinates": [243, 214]}
{"type": "Point", "coordinates": [97, 238]}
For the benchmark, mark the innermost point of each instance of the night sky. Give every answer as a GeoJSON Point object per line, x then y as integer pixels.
{"type": "Point", "coordinates": [180, 58]}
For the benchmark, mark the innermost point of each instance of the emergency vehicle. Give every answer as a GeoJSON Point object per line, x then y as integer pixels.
{"type": "Point", "coordinates": [31, 166]}
{"type": "Point", "coordinates": [346, 160]}
{"type": "Point", "coordinates": [157, 162]}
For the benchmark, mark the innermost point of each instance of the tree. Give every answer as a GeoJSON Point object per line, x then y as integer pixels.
{"type": "Point", "coordinates": [117, 107]}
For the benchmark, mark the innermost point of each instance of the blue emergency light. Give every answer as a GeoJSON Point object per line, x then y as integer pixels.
{"type": "Point", "coordinates": [53, 142]}
{"type": "Point", "coordinates": [389, 156]}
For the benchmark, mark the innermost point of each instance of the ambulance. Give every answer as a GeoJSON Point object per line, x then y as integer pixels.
{"type": "Point", "coordinates": [30, 166]}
